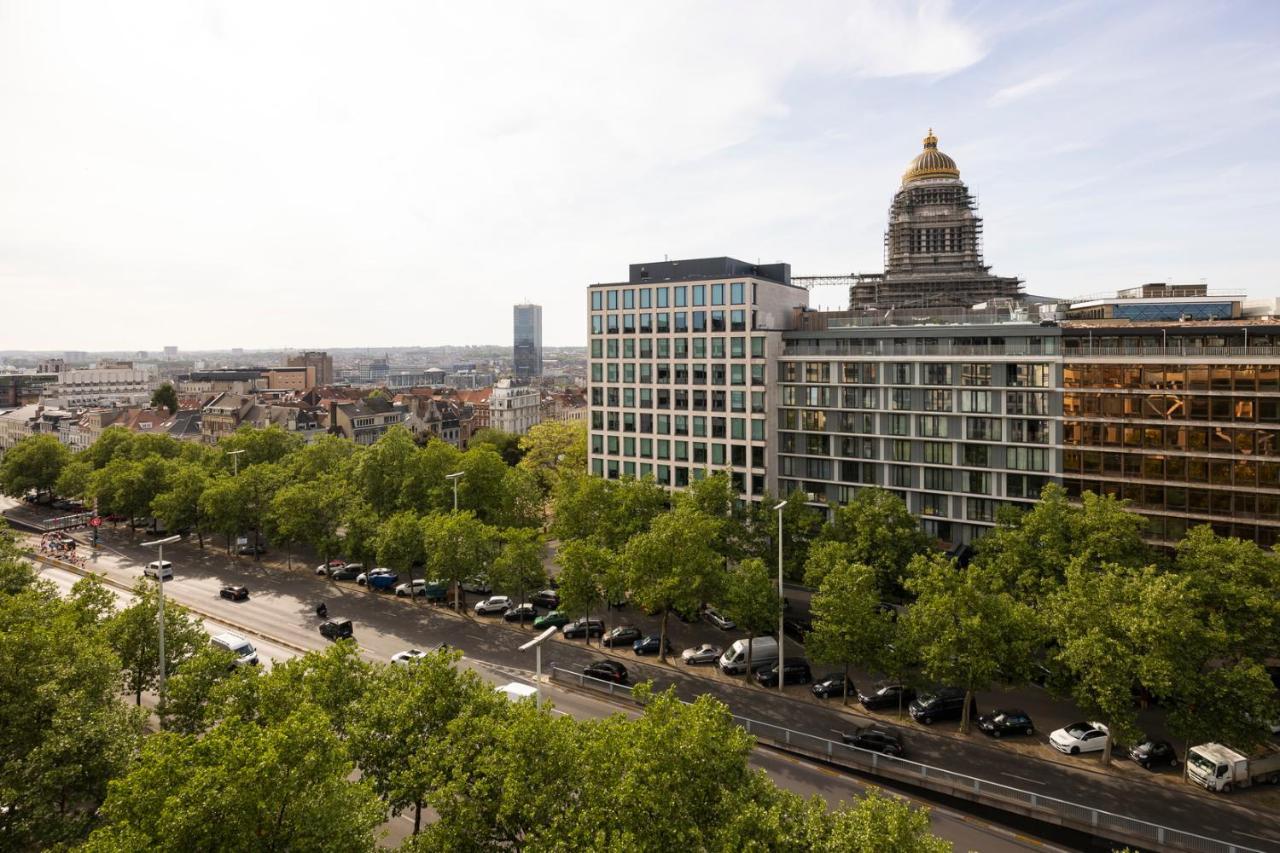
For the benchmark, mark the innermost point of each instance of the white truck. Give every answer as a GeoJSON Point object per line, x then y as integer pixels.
{"type": "Point", "coordinates": [1221, 768]}
{"type": "Point", "coordinates": [764, 652]}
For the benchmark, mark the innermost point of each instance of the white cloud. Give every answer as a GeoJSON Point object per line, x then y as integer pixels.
{"type": "Point", "coordinates": [1030, 86]}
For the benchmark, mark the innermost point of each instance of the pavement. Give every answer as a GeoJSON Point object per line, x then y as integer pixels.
{"type": "Point", "coordinates": [266, 612]}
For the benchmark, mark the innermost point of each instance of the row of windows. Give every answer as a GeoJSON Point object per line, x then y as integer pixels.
{"type": "Point", "coordinates": [1239, 473]}
{"type": "Point", "coordinates": [929, 373]}
{"type": "Point", "coordinates": [1173, 407]}
{"type": "Point", "coordinates": [678, 296]}
{"type": "Point", "coordinates": [679, 373]}
{"type": "Point", "coordinates": [909, 399]}
{"type": "Point", "coordinates": [926, 504]}
{"type": "Point", "coordinates": [680, 451]}
{"type": "Point", "coordinates": [662, 398]}
{"type": "Point", "coordinates": [1245, 442]}
{"type": "Point", "coordinates": [1263, 378]}
{"type": "Point", "coordinates": [1197, 502]}
{"type": "Point", "coordinates": [1020, 430]}
{"type": "Point", "coordinates": [673, 475]}
{"type": "Point", "coordinates": [679, 347]}
{"type": "Point", "coordinates": [919, 452]}
{"type": "Point", "coordinates": [663, 322]}
{"type": "Point", "coordinates": [696, 425]}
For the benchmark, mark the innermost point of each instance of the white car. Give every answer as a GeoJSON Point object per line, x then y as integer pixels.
{"type": "Point", "coordinates": [705, 653]}
{"type": "Point", "coordinates": [715, 617]}
{"type": "Point", "coordinates": [494, 604]}
{"type": "Point", "coordinates": [407, 656]}
{"type": "Point", "coordinates": [419, 587]}
{"type": "Point", "coordinates": [1080, 737]}
{"type": "Point", "coordinates": [157, 569]}
{"type": "Point", "coordinates": [363, 577]}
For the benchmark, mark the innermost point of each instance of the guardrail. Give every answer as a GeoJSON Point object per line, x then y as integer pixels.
{"type": "Point", "coordinates": [1028, 803]}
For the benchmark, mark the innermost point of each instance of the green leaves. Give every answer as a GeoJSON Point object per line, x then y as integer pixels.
{"type": "Point", "coordinates": [876, 530]}
{"type": "Point", "coordinates": [35, 462]}
{"type": "Point", "coordinates": [135, 638]}
{"type": "Point", "coordinates": [847, 626]}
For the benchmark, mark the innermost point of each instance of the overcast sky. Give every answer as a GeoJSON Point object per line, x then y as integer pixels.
{"type": "Point", "coordinates": [265, 174]}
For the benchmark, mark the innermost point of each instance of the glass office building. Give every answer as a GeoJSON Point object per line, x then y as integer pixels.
{"type": "Point", "coordinates": [527, 352]}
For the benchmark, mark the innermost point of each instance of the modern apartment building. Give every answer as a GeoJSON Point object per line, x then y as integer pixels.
{"type": "Point", "coordinates": [682, 360]}
{"type": "Point", "coordinates": [527, 349]}
{"type": "Point", "coordinates": [110, 383]}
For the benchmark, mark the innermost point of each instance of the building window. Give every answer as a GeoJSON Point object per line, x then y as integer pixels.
{"type": "Point", "coordinates": [975, 401]}
{"type": "Point", "coordinates": [937, 452]}
{"type": "Point", "coordinates": [937, 479]}
{"type": "Point", "coordinates": [977, 509]}
{"type": "Point", "coordinates": [982, 429]}
{"type": "Point", "coordinates": [662, 296]}
{"type": "Point", "coordinates": [977, 482]}
{"type": "Point", "coordinates": [1029, 431]}
{"type": "Point", "coordinates": [937, 400]}
{"type": "Point", "coordinates": [737, 293]}
{"type": "Point", "coordinates": [975, 374]}
{"type": "Point", "coordinates": [1028, 375]}
{"type": "Point", "coordinates": [757, 347]}
{"type": "Point", "coordinates": [901, 476]}
{"type": "Point", "coordinates": [932, 426]}
{"type": "Point", "coordinates": [976, 455]}
{"type": "Point", "coordinates": [900, 399]}
{"type": "Point", "coordinates": [596, 301]}
{"type": "Point", "coordinates": [1031, 459]}
{"type": "Point", "coordinates": [937, 374]}
{"type": "Point", "coordinates": [900, 373]}
{"type": "Point", "coordinates": [699, 294]}
{"type": "Point", "coordinates": [717, 294]}
{"type": "Point", "coordinates": [737, 320]}
{"type": "Point", "coordinates": [901, 450]}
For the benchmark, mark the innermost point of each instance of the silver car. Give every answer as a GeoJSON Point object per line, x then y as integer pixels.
{"type": "Point", "coordinates": [705, 653]}
{"type": "Point", "coordinates": [715, 617]}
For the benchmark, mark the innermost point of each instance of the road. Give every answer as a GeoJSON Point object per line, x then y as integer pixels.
{"type": "Point", "coordinates": [278, 617]}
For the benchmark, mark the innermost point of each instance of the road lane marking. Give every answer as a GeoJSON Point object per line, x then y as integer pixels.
{"type": "Point", "coordinates": [1023, 778]}
{"type": "Point", "coordinates": [1259, 837]}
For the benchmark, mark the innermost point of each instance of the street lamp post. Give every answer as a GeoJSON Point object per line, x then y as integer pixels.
{"type": "Point", "coordinates": [781, 614]}
{"type": "Point", "coordinates": [457, 588]}
{"type": "Point", "coordinates": [536, 645]}
{"type": "Point", "coordinates": [235, 461]}
{"type": "Point", "coordinates": [159, 544]}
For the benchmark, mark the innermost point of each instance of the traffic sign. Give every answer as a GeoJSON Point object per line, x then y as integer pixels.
{"type": "Point", "coordinates": [96, 521]}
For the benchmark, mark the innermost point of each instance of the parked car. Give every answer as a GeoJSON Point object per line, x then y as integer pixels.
{"type": "Point", "coordinates": [234, 593]}
{"type": "Point", "coordinates": [494, 604]}
{"type": "Point", "coordinates": [1080, 737]}
{"type": "Point", "coordinates": [793, 672]}
{"type": "Point", "coordinates": [833, 685]}
{"type": "Point", "coordinates": [326, 568]}
{"type": "Point", "coordinates": [583, 627]}
{"type": "Point", "coordinates": [715, 617]}
{"type": "Point", "coordinates": [945, 703]}
{"type": "Point", "coordinates": [554, 619]}
{"type": "Point", "coordinates": [251, 549]}
{"type": "Point", "coordinates": [334, 629]}
{"type": "Point", "coordinates": [521, 613]}
{"type": "Point", "coordinates": [623, 636]}
{"type": "Point", "coordinates": [607, 670]}
{"type": "Point", "coordinates": [1006, 721]}
{"type": "Point", "coordinates": [157, 569]}
{"type": "Point", "coordinates": [1151, 754]}
{"type": "Point", "coordinates": [548, 598]}
{"type": "Point", "coordinates": [705, 653]}
{"type": "Point", "coordinates": [246, 654]}
{"type": "Point", "coordinates": [417, 586]}
{"type": "Point", "coordinates": [478, 586]}
{"type": "Point", "coordinates": [408, 656]}
{"type": "Point", "coordinates": [797, 627]}
{"type": "Point", "coordinates": [379, 579]}
{"type": "Point", "coordinates": [364, 577]}
{"type": "Point", "coordinates": [886, 696]}
{"type": "Point", "coordinates": [876, 740]}
{"type": "Point", "coordinates": [650, 645]}
{"type": "Point", "coordinates": [346, 573]}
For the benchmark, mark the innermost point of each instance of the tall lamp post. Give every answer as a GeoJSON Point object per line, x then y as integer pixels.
{"type": "Point", "coordinates": [235, 461]}
{"type": "Point", "coordinates": [159, 544]}
{"type": "Point", "coordinates": [457, 589]}
{"type": "Point", "coordinates": [781, 614]}
{"type": "Point", "coordinates": [536, 645]}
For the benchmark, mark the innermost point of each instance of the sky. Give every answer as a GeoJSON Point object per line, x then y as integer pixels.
{"type": "Point", "coordinates": [311, 174]}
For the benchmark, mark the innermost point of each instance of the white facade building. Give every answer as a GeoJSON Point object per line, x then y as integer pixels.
{"type": "Point", "coordinates": [514, 408]}
{"type": "Point", "coordinates": [108, 384]}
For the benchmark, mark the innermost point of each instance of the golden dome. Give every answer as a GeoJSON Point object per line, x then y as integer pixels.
{"type": "Point", "coordinates": [931, 163]}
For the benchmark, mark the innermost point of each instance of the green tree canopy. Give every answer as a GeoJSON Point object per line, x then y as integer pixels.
{"type": "Point", "coordinates": [506, 445]}
{"type": "Point", "coordinates": [878, 531]}
{"type": "Point", "coordinates": [165, 397]}
{"type": "Point", "coordinates": [35, 462]}
{"type": "Point", "coordinates": [848, 627]}
{"type": "Point", "coordinates": [554, 450]}
{"type": "Point", "coordinates": [457, 546]}
{"type": "Point", "coordinates": [518, 567]}
{"type": "Point", "coordinates": [134, 636]}
{"type": "Point", "coordinates": [751, 599]}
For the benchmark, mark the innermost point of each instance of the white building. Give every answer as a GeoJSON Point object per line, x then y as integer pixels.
{"type": "Point", "coordinates": [514, 408]}
{"type": "Point", "coordinates": [107, 384]}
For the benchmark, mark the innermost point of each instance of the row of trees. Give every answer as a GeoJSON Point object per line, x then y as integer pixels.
{"type": "Point", "coordinates": [314, 753]}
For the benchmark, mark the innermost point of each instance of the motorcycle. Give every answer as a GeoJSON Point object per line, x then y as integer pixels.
{"type": "Point", "coordinates": [322, 611]}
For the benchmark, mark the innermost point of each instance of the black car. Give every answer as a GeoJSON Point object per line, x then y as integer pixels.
{"type": "Point", "coordinates": [876, 740]}
{"type": "Point", "coordinates": [607, 670]}
{"type": "Point", "coordinates": [793, 672]}
{"type": "Point", "coordinates": [1151, 754]}
{"type": "Point", "coordinates": [1006, 721]}
{"type": "Point", "coordinates": [547, 598]}
{"type": "Point", "coordinates": [234, 593]}
{"type": "Point", "coordinates": [945, 703]}
{"type": "Point", "coordinates": [583, 627]}
{"type": "Point", "coordinates": [649, 645]}
{"type": "Point", "coordinates": [336, 630]}
{"type": "Point", "coordinates": [346, 573]}
{"type": "Point", "coordinates": [797, 628]}
{"type": "Point", "coordinates": [521, 613]}
{"type": "Point", "coordinates": [251, 550]}
{"type": "Point", "coordinates": [833, 685]}
{"type": "Point", "coordinates": [886, 696]}
{"type": "Point", "coordinates": [622, 636]}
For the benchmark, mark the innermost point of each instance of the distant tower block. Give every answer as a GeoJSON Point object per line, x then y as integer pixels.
{"type": "Point", "coordinates": [526, 353]}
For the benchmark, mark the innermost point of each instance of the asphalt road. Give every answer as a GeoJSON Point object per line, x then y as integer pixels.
{"type": "Point", "coordinates": [278, 616]}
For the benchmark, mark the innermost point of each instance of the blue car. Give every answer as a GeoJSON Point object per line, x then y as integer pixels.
{"type": "Point", "coordinates": [379, 579]}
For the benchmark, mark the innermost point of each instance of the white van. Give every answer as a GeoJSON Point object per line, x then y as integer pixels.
{"type": "Point", "coordinates": [246, 654]}
{"type": "Point", "coordinates": [764, 652]}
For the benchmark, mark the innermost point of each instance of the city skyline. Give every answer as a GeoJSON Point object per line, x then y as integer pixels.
{"type": "Point", "coordinates": [258, 167]}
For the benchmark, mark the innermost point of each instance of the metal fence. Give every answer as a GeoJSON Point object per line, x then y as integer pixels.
{"type": "Point", "coordinates": [1050, 809]}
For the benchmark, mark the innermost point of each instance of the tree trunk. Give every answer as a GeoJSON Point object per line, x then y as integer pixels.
{"type": "Point", "coordinates": [1106, 751]}
{"type": "Point", "coordinates": [964, 714]}
{"type": "Point", "coordinates": [746, 675]}
{"type": "Point", "coordinates": [257, 541]}
{"type": "Point", "coordinates": [662, 636]}
{"type": "Point", "coordinates": [417, 816]}
{"type": "Point", "coordinates": [200, 536]}
{"type": "Point", "coordinates": [844, 688]}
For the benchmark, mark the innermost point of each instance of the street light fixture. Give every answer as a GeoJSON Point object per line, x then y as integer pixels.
{"type": "Point", "coordinates": [536, 645]}
{"type": "Point", "coordinates": [159, 545]}
{"type": "Point", "coordinates": [455, 477]}
{"type": "Point", "coordinates": [782, 639]}
{"type": "Point", "coordinates": [235, 461]}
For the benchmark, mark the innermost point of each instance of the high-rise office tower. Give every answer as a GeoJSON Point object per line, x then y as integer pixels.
{"type": "Point", "coordinates": [527, 352]}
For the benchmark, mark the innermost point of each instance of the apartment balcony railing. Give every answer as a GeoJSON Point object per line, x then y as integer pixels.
{"type": "Point", "coordinates": [1082, 353]}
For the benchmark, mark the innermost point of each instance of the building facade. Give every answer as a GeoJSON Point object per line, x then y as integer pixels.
{"type": "Point", "coordinates": [514, 408]}
{"type": "Point", "coordinates": [681, 371]}
{"type": "Point", "coordinates": [321, 361]}
{"type": "Point", "coordinates": [109, 383]}
{"type": "Point", "coordinates": [527, 350]}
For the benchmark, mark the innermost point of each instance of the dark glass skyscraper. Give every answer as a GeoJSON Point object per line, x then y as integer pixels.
{"type": "Point", "coordinates": [527, 353]}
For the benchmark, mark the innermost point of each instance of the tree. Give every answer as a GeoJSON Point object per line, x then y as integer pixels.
{"type": "Point", "coordinates": [968, 631]}
{"type": "Point", "coordinates": [34, 463]}
{"type": "Point", "coordinates": [554, 450]}
{"type": "Point", "coordinates": [178, 506]}
{"type": "Point", "coordinates": [128, 486]}
{"type": "Point", "coordinates": [284, 785]}
{"type": "Point", "coordinates": [222, 506]}
{"type": "Point", "coordinates": [505, 444]}
{"type": "Point", "coordinates": [74, 480]}
{"type": "Point", "coordinates": [1233, 582]}
{"type": "Point", "coordinates": [878, 531]}
{"type": "Point", "coordinates": [585, 570]}
{"type": "Point", "coordinates": [751, 599]}
{"type": "Point", "coordinates": [190, 690]}
{"type": "Point", "coordinates": [848, 626]}
{"type": "Point", "coordinates": [379, 470]}
{"type": "Point", "coordinates": [518, 566]}
{"type": "Point", "coordinates": [400, 542]}
{"type": "Point", "coordinates": [801, 523]}
{"type": "Point", "coordinates": [522, 501]}
{"type": "Point", "coordinates": [63, 730]}
{"type": "Point", "coordinates": [165, 396]}
{"type": "Point", "coordinates": [310, 512]}
{"type": "Point", "coordinates": [426, 487]}
{"type": "Point", "coordinates": [330, 455]}
{"type": "Point", "coordinates": [481, 488]}
{"type": "Point", "coordinates": [269, 444]}
{"type": "Point", "coordinates": [673, 565]}
{"type": "Point", "coordinates": [134, 636]}
{"type": "Point", "coordinates": [457, 546]}
{"type": "Point", "coordinates": [608, 512]}
{"type": "Point", "coordinates": [1231, 703]}
{"type": "Point", "coordinates": [16, 573]}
